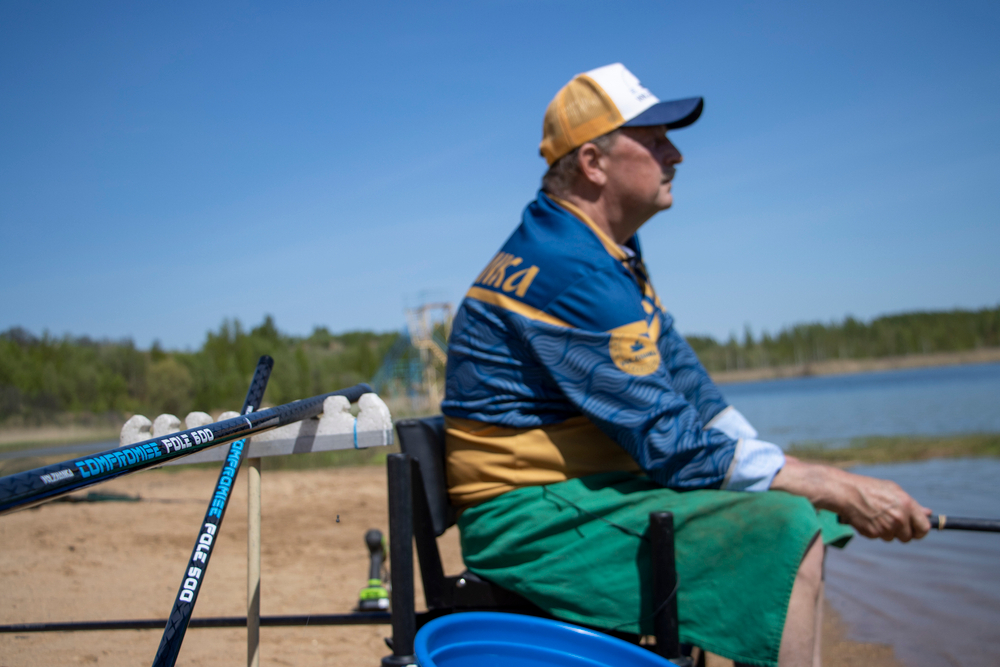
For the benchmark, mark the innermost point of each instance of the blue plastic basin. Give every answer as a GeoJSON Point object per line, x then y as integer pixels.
{"type": "Point", "coordinates": [492, 639]}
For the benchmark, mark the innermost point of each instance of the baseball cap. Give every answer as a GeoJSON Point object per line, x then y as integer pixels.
{"type": "Point", "coordinates": [602, 100]}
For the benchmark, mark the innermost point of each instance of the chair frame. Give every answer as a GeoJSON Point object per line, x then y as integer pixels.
{"type": "Point", "coordinates": [419, 512]}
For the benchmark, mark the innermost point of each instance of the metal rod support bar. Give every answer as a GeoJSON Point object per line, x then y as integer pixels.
{"type": "Point", "coordinates": [368, 618]}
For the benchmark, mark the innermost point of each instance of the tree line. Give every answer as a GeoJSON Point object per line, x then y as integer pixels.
{"type": "Point", "coordinates": [42, 377]}
{"type": "Point", "coordinates": [886, 336]}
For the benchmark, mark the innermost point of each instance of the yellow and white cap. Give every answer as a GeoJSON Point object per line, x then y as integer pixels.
{"type": "Point", "coordinates": [602, 100]}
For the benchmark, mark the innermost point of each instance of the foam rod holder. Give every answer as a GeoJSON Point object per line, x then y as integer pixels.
{"type": "Point", "coordinates": [335, 428]}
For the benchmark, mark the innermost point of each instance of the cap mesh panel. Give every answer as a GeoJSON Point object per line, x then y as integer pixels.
{"type": "Point", "coordinates": [582, 104]}
{"type": "Point", "coordinates": [581, 111]}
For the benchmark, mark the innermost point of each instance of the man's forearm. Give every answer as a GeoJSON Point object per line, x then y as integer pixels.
{"type": "Point", "coordinates": [819, 483]}
{"type": "Point", "coordinates": [875, 507]}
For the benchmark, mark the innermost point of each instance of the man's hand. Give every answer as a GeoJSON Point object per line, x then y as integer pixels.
{"type": "Point", "coordinates": [875, 507]}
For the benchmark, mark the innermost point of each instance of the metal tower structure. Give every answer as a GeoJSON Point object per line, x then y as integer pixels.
{"type": "Point", "coordinates": [414, 365]}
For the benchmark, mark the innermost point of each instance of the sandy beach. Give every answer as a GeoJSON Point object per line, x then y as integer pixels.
{"type": "Point", "coordinates": [122, 560]}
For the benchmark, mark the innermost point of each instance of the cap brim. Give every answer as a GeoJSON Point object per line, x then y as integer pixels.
{"type": "Point", "coordinates": [674, 114]}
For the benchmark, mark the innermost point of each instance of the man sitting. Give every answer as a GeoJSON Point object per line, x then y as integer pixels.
{"type": "Point", "coordinates": [574, 409]}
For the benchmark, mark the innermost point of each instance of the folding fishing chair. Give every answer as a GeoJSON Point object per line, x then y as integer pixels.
{"type": "Point", "coordinates": [419, 512]}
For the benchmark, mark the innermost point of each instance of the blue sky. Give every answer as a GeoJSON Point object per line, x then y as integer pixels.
{"type": "Point", "coordinates": [165, 166]}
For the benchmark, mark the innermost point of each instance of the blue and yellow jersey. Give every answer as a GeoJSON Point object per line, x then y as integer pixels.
{"type": "Point", "coordinates": [562, 362]}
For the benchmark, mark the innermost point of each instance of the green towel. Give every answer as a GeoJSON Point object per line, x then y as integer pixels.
{"type": "Point", "coordinates": [578, 550]}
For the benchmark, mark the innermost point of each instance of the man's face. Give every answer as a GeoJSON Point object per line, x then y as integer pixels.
{"type": "Point", "coordinates": [640, 168]}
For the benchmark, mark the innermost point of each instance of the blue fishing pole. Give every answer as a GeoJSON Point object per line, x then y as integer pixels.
{"type": "Point", "coordinates": [32, 487]}
{"type": "Point", "coordinates": [197, 566]}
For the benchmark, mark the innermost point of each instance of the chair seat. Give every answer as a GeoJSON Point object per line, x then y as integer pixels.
{"type": "Point", "coordinates": [469, 591]}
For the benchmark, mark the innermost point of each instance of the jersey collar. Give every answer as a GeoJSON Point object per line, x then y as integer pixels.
{"type": "Point", "coordinates": [609, 243]}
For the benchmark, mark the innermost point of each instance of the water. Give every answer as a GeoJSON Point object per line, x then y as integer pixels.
{"type": "Point", "coordinates": [834, 409]}
{"type": "Point", "coordinates": [936, 601]}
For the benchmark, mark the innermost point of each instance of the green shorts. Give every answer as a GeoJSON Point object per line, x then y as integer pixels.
{"type": "Point", "coordinates": [578, 550]}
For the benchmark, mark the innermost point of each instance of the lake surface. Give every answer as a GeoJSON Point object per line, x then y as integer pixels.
{"type": "Point", "coordinates": [936, 601]}
{"type": "Point", "coordinates": [833, 409]}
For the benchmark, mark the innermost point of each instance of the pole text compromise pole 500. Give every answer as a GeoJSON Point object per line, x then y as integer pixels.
{"type": "Point", "coordinates": [32, 487]}
{"type": "Point", "coordinates": [197, 566]}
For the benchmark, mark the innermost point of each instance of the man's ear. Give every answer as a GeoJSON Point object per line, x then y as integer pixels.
{"type": "Point", "coordinates": [592, 163]}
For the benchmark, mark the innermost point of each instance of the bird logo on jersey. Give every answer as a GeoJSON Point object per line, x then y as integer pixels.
{"type": "Point", "coordinates": [633, 346]}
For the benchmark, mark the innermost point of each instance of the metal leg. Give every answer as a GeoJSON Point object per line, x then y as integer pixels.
{"type": "Point", "coordinates": [431, 569]}
{"type": "Point", "coordinates": [404, 621]}
{"type": "Point", "coordinates": [661, 536]}
{"type": "Point", "coordinates": [253, 562]}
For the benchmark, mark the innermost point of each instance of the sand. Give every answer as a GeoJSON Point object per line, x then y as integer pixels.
{"type": "Point", "coordinates": [118, 560]}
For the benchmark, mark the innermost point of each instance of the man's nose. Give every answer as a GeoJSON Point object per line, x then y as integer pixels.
{"type": "Point", "coordinates": [671, 155]}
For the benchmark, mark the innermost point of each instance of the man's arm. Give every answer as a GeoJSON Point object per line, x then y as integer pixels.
{"type": "Point", "coordinates": [688, 376]}
{"type": "Point", "coordinates": [665, 435]}
{"type": "Point", "coordinates": [755, 462]}
{"type": "Point", "coordinates": [875, 507]}
{"type": "Point", "coordinates": [642, 413]}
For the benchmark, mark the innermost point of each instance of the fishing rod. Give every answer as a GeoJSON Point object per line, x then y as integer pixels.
{"type": "Point", "coordinates": [32, 487]}
{"type": "Point", "coordinates": [197, 565]}
{"type": "Point", "coordinates": [944, 522]}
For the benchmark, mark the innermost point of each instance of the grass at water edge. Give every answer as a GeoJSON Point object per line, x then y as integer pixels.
{"type": "Point", "coordinates": [895, 449]}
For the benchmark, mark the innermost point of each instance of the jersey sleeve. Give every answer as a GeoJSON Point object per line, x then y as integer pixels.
{"type": "Point", "coordinates": [617, 378]}
{"type": "Point", "coordinates": [642, 384]}
{"type": "Point", "coordinates": [755, 462]}
{"type": "Point", "coordinates": [688, 376]}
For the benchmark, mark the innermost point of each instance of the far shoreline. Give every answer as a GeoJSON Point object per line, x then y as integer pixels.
{"type": "Point", "coordinates": [856, 366]}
